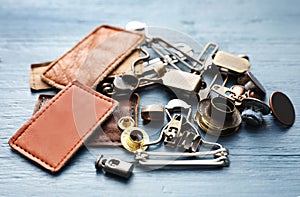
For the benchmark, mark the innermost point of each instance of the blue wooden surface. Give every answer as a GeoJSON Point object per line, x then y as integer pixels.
{"type": "Point", "coordinates": [264, 161]}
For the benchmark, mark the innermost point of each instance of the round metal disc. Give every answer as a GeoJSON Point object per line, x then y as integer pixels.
{"type": "Point", "coordinates": [282, 108]}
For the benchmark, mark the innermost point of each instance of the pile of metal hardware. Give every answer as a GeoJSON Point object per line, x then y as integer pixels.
{"type": "Point", "coordinates": [207, 92]}
{"type": "Point", "coordinates": [214, 93]}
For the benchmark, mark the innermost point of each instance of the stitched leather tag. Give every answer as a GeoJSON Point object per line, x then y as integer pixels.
{"type": "Point", "coordinates": [36, 82]}
{"type": "Point", "coordinates": [108, 134]}
{"type": "Point", "coordinates": [55, 132]}
{"type": "Point", "coordinates": [93, 58]}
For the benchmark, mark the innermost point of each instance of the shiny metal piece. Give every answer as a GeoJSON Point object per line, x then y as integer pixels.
{"type": "Point", "coordinates": [129, 82]}
{"type": "Point", "coordinates": [114, 166]}
{"type": "Point", "coordinates": [252, 94]}
{"type": "Point", "coordinates": [211, 77]}
{"type": "Point", "coordinates": [221, 159]}
{"type": "Point", "coordinates": [231, 62]}
{"type": "Point", "coordinates": [216, 153]}
{"type": "Point", "coordinates": [133, 138]}
{"type": "Point", "coordinates": [180, 80]}
{"type": "Point", "coordinates": [126, 122]}
{"type": "Point", "coordinates": [256, 105]}
{"type": "Point", "coordinates": [218, 116]}
{"type": "Point", "coordinates": [189, 141]}
{"type": "Point", "coordinates": [254, 110]}
{"type": "Point", "coordinates": [255, 85]}
{"type": "Point", "coordinates": [252, 117]}
{"type": "Point", "coordinates": [218, 162]}
{"type": "Point", "coordinates": [282, 108]}
{"type": "Point", "coordinates": [107, 88]}
{"type": "Point", "coordinates": [209, 50]}
{"type": "Point", "coordinates": [239, 91]}
{"type": "Point", "coordinates": [168, 47]}
{"type": "Point", "coordinates": [177, 103]}
{"type": "Point", "coordinates": [153, 112]}
{"type": "Point", "coordinates": [176, 80]}
{"type": "Point", "coordinates": [142, 58]}
{"type": "Point", "coordinates": [174, 136]}
{"type": "Point", "coordinates": [229, 93]}
{"type": "Point", "coordinates": [171, 131]}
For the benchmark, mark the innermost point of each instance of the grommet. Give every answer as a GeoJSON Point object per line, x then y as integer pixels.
{"type": "Point", "coordinates": [133, 139]}
{"type": "Point", "coordinates": [125, 122]}
{"type": "Point", "coordinates": [218, 116]}
{"type": "Point", "coordinates": [282, 108]}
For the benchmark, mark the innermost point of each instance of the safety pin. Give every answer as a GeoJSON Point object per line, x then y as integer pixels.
{"type": "Point", "coordinates": [222, 161]}
{"type": "Point", "coordinates": [219, 152]}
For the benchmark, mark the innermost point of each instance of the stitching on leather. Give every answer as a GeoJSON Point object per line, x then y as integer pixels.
{"type": "Point", "coordinates": [55, 63]}
{"type": "Point", "coordinates": [107, 68]}
{"type": "Point", "coordinates": [52, 103]}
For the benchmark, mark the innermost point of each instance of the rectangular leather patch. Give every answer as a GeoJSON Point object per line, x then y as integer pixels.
{"type": "Point", "coordinates": [55, 132]}
{"type": "Point", "coordinates": [93, 58]}
{"type": "Point", "coordinates": [36, 70]}
{"type": "Point", "coordinates": [108, 134]}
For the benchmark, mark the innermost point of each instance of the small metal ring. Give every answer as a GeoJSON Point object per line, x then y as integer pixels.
{"type": "Point", "coordinates": [126, 122]}
{"type": "Point", "coordinates": [132, 144]}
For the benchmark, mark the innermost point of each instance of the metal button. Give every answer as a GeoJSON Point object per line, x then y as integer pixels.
{"type": "Point", "coordinates": [282, 108]}
{"type": "Point", "coordinates": [254, 110]}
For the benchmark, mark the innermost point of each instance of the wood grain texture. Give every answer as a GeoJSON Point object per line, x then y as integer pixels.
{"type": "Point", "coordinates": [264, 161]}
